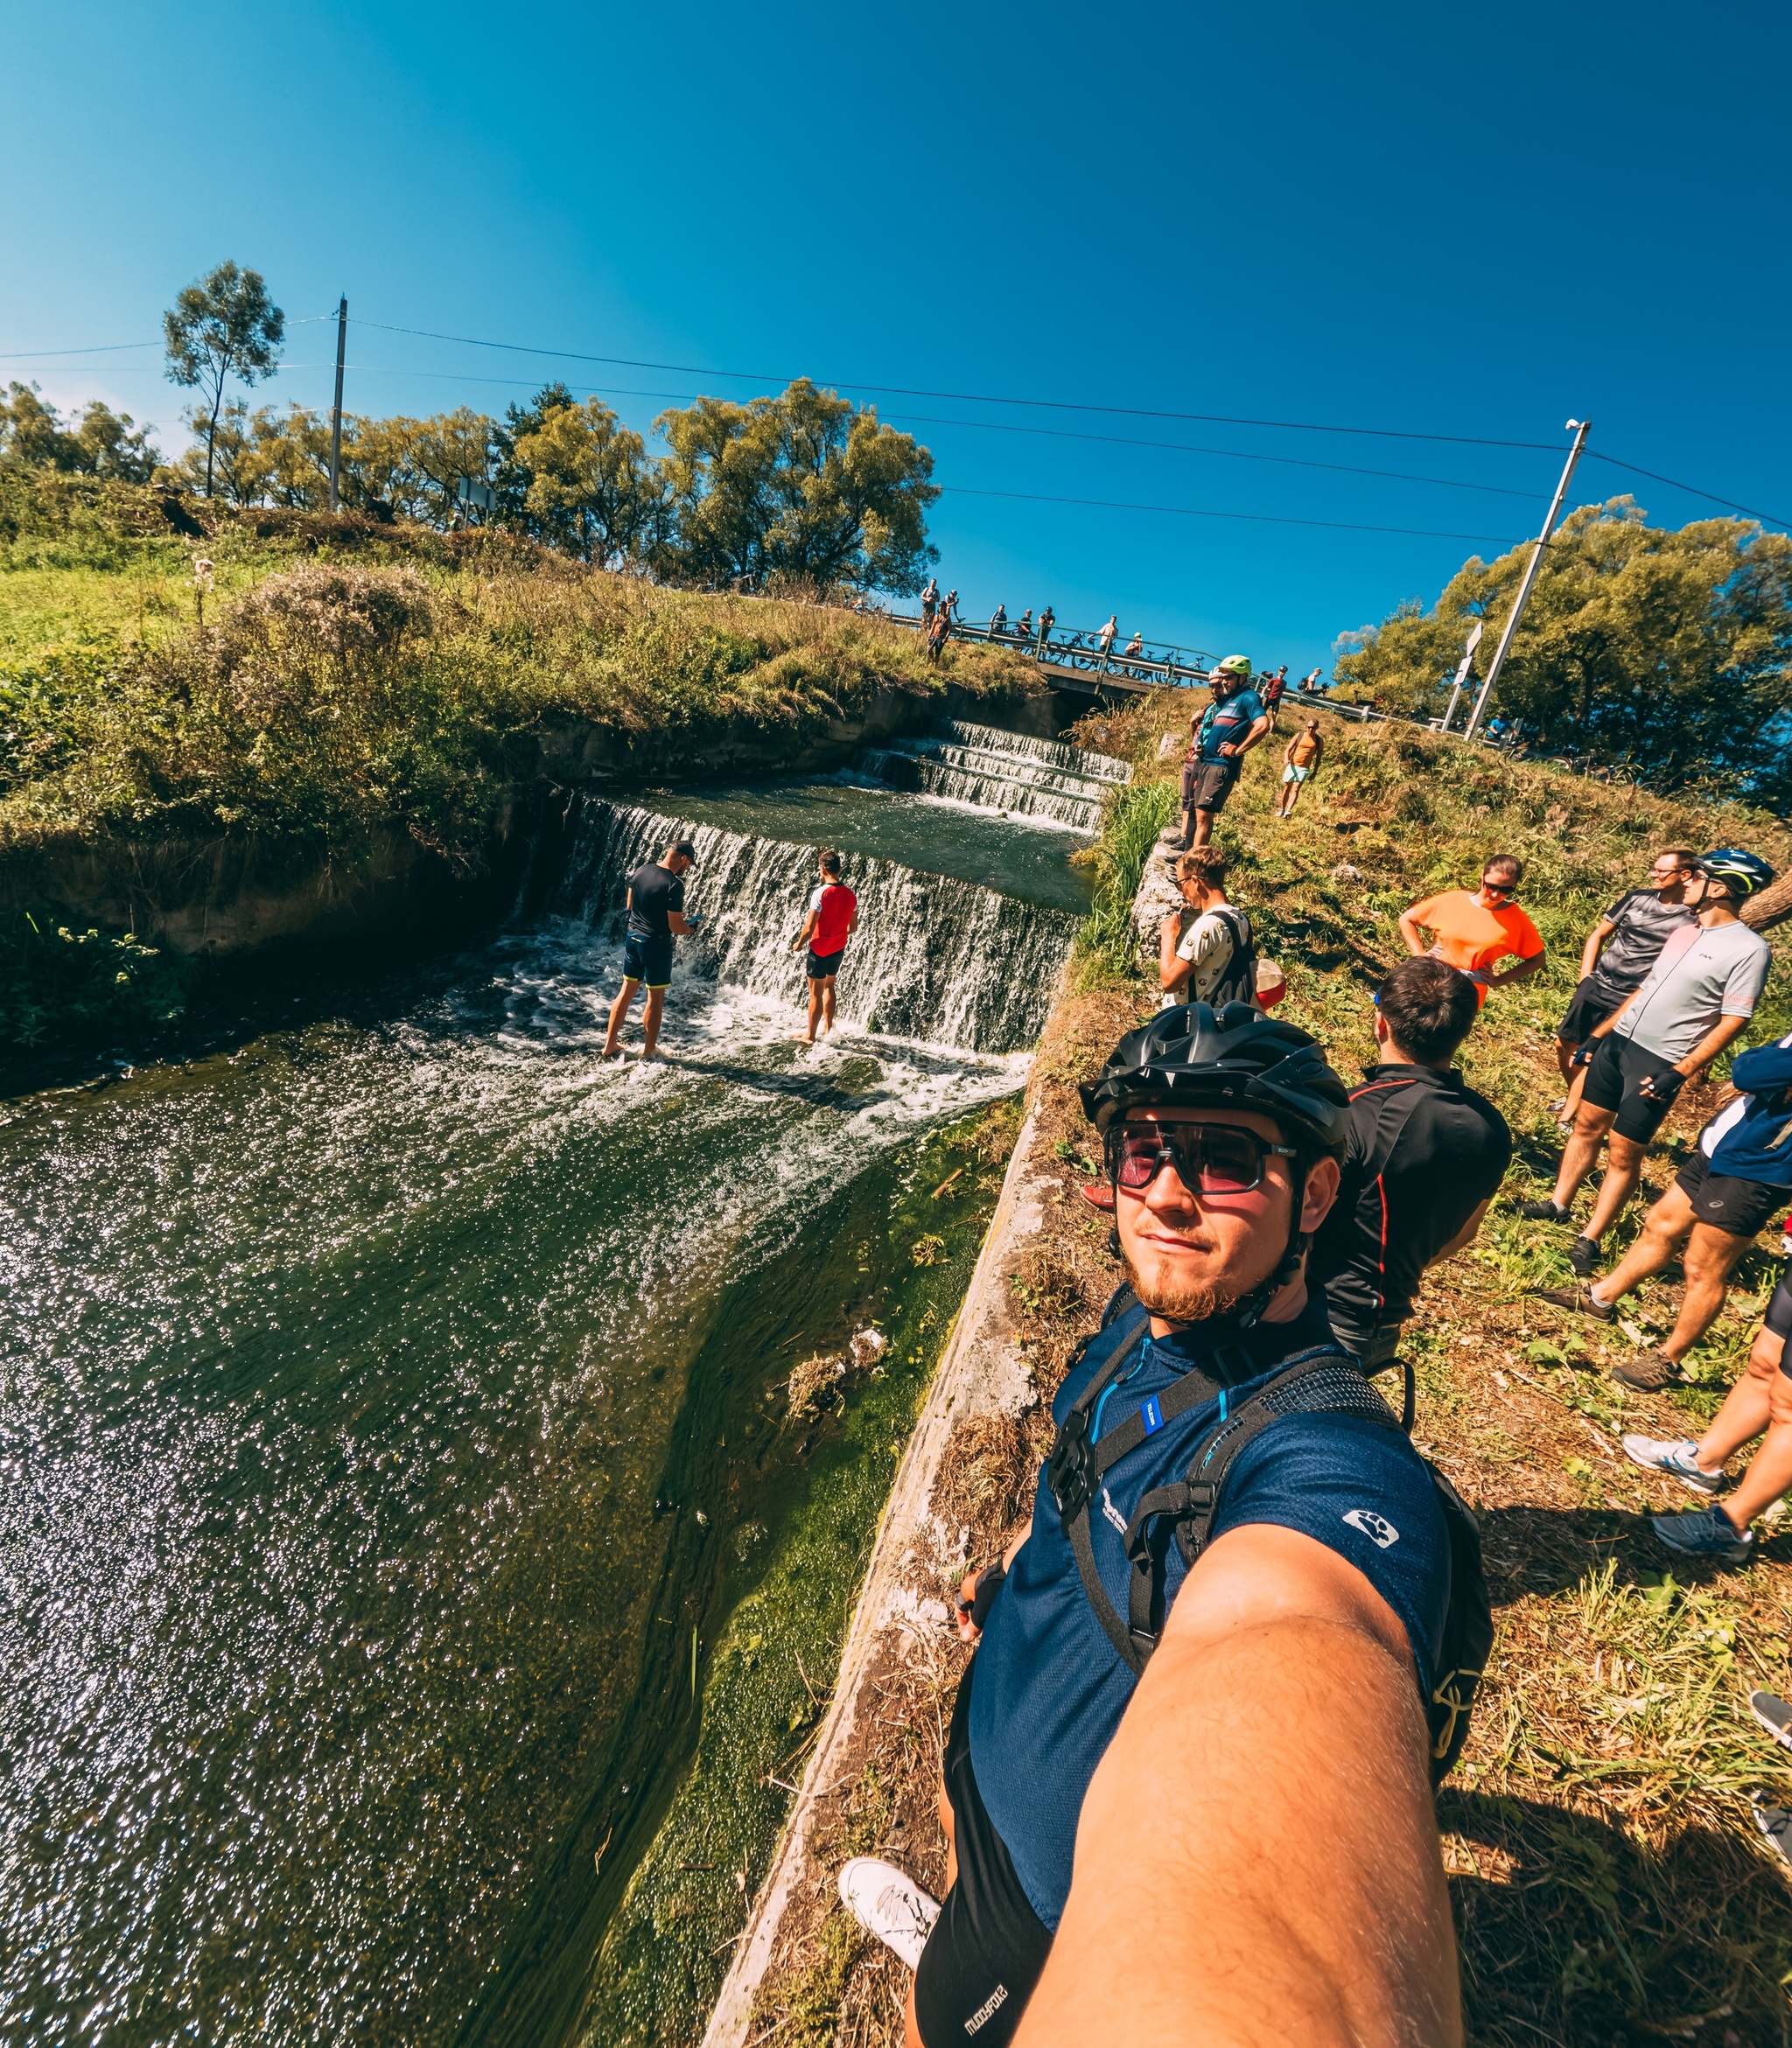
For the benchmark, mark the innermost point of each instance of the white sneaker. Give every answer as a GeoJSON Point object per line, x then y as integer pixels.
{"type": "Point", "coordinates": [1677, 1460]}
{"type": "Point", "coordinates": [888, 1903]}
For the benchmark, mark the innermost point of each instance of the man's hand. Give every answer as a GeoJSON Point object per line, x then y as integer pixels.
{"type": "Point", "coordinates": [1661, 1087]}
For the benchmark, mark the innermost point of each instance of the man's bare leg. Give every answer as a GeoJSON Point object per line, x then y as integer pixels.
{"type": "Point", "coordinates": [650, 1023]}
{"type": "Point", "coordinates": [619, 1016]}
{"type": "Point", "coordinates": [1711, 1258]}
{"type": "Point", "coordinates": [814, 1011]}
{"type": "Point", "coordinates": [828, 1007]}
{"type": "Point", "coordinates": [1624, 1158]}
{"type": "Point", "coordinates": [1664, 1230]}
{"type": "Point", "coordinates": [1769, 1475]}
{"type": "Point", "coordinates": [1203, 828]}
{"type": "Point", "coordinates": [1581, 1150]}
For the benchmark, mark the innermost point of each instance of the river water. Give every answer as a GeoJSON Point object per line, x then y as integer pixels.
{"type": "Point", "coordinates": [342, 1584]}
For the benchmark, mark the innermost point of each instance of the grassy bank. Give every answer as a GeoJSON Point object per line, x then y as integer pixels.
{"type": "Point", "coordinates": [318, 683]}
{"type": "Point", "coordinates": [1607, 1882]}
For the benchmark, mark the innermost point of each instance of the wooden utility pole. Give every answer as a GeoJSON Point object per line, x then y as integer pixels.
{"type": "Point", "coordinates": [336, 413]}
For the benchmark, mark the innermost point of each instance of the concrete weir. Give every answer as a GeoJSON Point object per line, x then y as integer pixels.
{"type": "Point", "coordinates": [981, 1372]}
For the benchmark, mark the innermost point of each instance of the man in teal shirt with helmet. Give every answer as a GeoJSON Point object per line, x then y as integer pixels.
{"type": "Point", "coordinates": [1224, 733]}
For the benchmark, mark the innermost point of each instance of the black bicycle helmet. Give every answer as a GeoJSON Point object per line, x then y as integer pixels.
{"type": "Point", "coordinates": [1190, 1058]}
{"type": "Point", "coordinates": [1740, 871]}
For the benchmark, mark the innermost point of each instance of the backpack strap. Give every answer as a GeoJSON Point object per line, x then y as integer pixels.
{"type": "Point", "coordinates": [1186, 1507]}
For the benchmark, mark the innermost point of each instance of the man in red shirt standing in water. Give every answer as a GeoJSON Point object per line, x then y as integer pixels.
{"type": "Point", "coordinates": [831, 921]}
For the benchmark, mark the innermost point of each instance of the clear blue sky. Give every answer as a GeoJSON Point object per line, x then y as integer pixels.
{"type": "Point", "coordinates": [1448, 221]}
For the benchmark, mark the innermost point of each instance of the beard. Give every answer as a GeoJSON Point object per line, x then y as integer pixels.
{"type": "Point", "coordinates": [1179, 1303]}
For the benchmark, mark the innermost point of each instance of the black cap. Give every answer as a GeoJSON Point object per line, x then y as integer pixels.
{"type": "Point", "coordinates": [687, 849]}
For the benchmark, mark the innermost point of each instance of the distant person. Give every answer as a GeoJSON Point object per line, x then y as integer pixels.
{"type": "Point", "coordinates": [1048, 619]}
{"type": "Point", "coordinates": [1472, 928]}
{"type": "Point", "coordinates": [1619, 950]}
{"type": "Point", "coordinates": [1300, 760]}
{"type": "Point", "coordinates": [1104, 638]}
{"type": "Point", "coordinates": [831, 919]}
{"type": "Point", "coordinates": [1696, 1000]}
{"type": "Point", "coordinates": [1205, 952]}
{"type": "Point", "coordinates": [929, 602]}
{"type": "Point", "coordinates": [1223, 735]}
{"type": "Point", "coordinates": [950, 607]}
{"type": "Point", "coordinates": [655, 904]}
{"type": "Point", "coordinates": [1275, 687]}
{"type": "Point", "coordinates": [1134, 648]}
{"type": "Point", "coordinates": [1023, 631]}
{"type": "Point", "coordinates": [1426, 1156]}
{"type": "Point", "coordinates": [1735, 1182]}
{"type": "Point", "coordinates": [999, 623]}
{"type": "Point", "coordinates": [938, 633]}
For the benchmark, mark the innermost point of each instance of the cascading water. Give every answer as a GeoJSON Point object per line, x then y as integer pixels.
{"type": "Point", "coordinates": [934, 957]}
{"type": "Point", "coordinates": [359, 1391]}
{"type": "Point", "coordinates": [1014, 773]}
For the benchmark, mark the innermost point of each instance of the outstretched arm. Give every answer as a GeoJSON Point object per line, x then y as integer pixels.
{"type": "Point", "coordinates": [1257, 1858]}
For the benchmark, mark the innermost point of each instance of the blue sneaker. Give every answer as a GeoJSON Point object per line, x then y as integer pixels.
{"type": "Point", "coordinates": [1679, 1461]}
{"type": "Point", "coordinates": [1705, 1532]}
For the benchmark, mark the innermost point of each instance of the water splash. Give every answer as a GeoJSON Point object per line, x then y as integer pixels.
{"type": "Point", "coordinates": [1011, 773]}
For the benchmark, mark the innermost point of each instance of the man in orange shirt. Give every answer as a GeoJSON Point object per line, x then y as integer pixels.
{"type": "Point", "coordinates": [1472, 928]}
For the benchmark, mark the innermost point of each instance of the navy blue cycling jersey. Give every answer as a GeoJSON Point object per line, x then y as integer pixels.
{"type": "Point", "coordinates": [1226, 723]}
{"type": "Point", "coordinates": [1051, 1688]}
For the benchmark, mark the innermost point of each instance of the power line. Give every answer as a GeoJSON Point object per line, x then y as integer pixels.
{"type": "Point", "coordinates": [963, 397]}
{"type": "Point", "coordinates": [1256, 518]}
{"type": "Point", "coordinates": [1692, 488]}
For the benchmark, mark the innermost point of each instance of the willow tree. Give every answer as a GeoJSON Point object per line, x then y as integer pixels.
{"type": "Point", "coordinates": [1670, 652]}
{"type": "Point", "coordinates": [804, 486]}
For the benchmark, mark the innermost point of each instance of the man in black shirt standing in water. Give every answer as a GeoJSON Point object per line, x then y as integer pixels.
{"type": "Point", "coordinates": [655, 917]}
{"type": "Point", "coordinates": [1425, 1154]}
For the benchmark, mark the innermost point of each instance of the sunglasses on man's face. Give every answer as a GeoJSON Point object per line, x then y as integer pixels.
{"type": "Point", "coordinates": [1208, 1158]}
{"type": "Point", "coordinates": [1499, 888]}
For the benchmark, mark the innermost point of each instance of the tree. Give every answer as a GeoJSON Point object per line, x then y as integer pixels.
{"type": "Point", "coordinates": [224, 326]}
{"type": "Point", "coordinates": [101, 444]}
{"type": "Point", "coordinates": [1670, 651]}
{"type": "Point", "coordinates": [592, 489]}
{"type": "Point", "coordinates": [802, 486]}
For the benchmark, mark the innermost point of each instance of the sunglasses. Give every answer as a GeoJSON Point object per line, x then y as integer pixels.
{"type": "Point", "coordinates": [1208, 1158]}
{"type": "Point", "coordinates": [1501, 888]}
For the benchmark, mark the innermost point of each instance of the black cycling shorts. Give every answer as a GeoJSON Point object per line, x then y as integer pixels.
{"type": "Point", "coordinates": [1614, 1081]}
{"type": "Point", "coordinates": [647, 959]}
{"type": "Point", "coordinates": [1586, 1008]}
{"type": "Point", "coordinates": [988, 1945]}
{"type": "Point", "coordinates": [820, 965]}
{"type": "Point", "coordinates": [1726, 1201]}
{"type": "Point", "coordinates": [1780, 1320]}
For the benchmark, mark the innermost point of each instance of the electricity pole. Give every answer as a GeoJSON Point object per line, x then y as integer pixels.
{"type": "Point", "coordinates": [1461, 675]}
{"type": "Point", "coordinates": [1582, 429]}
{"type": "Point", "coordinates": [336, 416]}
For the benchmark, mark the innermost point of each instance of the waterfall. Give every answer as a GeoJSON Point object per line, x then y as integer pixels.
{"type": "Point", "coordinates": [934, 957]}
{"type": "Point", "coordinates": [1011, 772]}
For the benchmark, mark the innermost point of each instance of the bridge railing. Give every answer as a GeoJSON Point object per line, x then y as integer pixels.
{"type": "Point", "coordinates": [1161, 662]}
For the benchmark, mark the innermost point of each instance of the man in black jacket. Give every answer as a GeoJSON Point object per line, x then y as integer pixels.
{"type": "Point", "coordinates": [1426, 1153]}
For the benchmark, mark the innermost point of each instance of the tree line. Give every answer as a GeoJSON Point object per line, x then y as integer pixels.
{"type": "Point", "coordinates": [1666, 652]}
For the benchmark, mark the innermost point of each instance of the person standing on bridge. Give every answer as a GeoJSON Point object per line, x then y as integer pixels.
{"type": "Point", "coordinates": [1104, 639]}
{"type": "Point", "coordinates": [1135, 645]}
{"type": "Point", "coordinates": [1223, 734]}
{"type": "Point", "coordinates": [1047, 619]}
{"type": "Point", "coordinates": [999, 623]}
{"type": "Point", "coordinates": [1023, 631]}
{"type": "Point", "coordinates": [929, 600]}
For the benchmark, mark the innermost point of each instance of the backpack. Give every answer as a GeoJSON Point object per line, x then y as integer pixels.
{"type": "Point", "coordinates": [1324, 1380]}
{"type": "Point", "coordinates": [1238, 983]}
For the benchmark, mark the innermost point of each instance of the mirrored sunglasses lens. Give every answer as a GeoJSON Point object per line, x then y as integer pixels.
{"type": "Point", "coordinates": [1227, 1162]}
